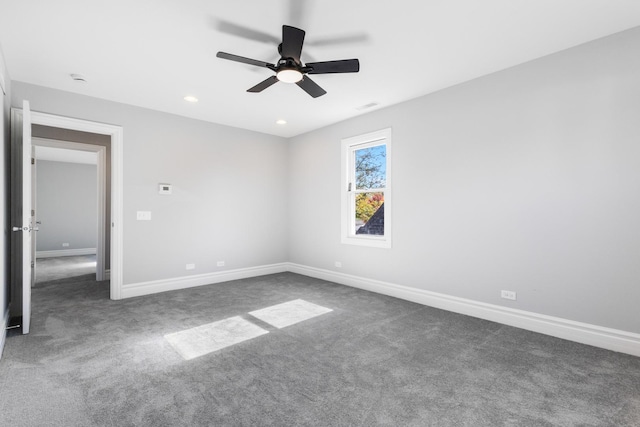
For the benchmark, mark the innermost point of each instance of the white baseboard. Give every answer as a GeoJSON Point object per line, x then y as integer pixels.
{"type": "Point", "coordinates": [152, 287]}
{"type": "Point", "coordinates": [3, 332]}
{"type": "Point", "coordinates": [597, 336]}
{"type": "Point", "coordinates": [65, 252]}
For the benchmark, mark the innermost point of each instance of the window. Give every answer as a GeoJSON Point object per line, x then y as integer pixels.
{"type": "Point", "coordinates": [366, 192]}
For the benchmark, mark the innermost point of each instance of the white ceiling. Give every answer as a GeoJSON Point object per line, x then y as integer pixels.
{"type": "Point", "coordinates": [152, 53]}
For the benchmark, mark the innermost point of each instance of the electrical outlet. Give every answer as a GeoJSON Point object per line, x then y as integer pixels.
{"type": "Point", "coordinates": [220, 263]}
{"type": "Point", "coordinates": [191, 266]}
{"type": "Point", "coordinates": [143, 216]}
{"type": "Point", "coordinates": [65, 245]}
{"type": "Point", "coordinates": [338, 264]}
{"type": "Point", "coordinates": [508, 295]}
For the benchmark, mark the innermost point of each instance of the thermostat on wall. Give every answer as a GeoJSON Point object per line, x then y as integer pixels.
{"type": "Point", "coordinates": [164, 188]}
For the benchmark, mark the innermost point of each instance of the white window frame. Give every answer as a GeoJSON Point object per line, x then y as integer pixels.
{"type": "Point", "coordinates": [349, 146]}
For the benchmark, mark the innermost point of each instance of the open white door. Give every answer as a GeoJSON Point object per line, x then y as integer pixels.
{"type": "Point", "coordinates": [23, 218]}
{"type": "Point", "coordinates": [28, 218]}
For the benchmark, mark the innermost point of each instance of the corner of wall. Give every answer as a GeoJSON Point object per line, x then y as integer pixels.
{"type": "Point", "coordinates": [4, 80]}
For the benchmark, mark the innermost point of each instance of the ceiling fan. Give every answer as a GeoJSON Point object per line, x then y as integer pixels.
{"type": "Point", "coordinates": [290, 68]}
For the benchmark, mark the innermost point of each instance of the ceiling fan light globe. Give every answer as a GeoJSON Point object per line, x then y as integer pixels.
{"type": "Point", "coordinates": [289, 76]}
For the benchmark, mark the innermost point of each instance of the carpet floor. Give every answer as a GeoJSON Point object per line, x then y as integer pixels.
{"type": "Point", "coordinates": [55, 268]}
{"type": "Point", "coordinates": [356, 359]}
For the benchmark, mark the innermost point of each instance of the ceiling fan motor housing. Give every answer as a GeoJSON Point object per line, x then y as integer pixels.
{"type": "Point", "coordinates": [289, 63]}
{"type": "Point", "coordinates": [289, 68]}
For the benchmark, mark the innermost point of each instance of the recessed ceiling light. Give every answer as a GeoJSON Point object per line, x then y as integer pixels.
{"type": "Point", "coordinates": [190, 98]}
{"type": "Point", "coordinates": [281, 122]}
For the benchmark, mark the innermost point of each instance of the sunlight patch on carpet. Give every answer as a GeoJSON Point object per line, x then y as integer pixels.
{"type": "Point", "coordinates": [205, 339]}
{"type": "Point", "coordinates": [289, 313]}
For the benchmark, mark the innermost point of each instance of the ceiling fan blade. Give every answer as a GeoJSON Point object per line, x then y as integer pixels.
{"type": "Point", "coordinates": [245, 32]}
{"type": "Point", "coordinates": [263, 84]}
{"type": "Point", "coordinates": [292, 40]}
{"type": "Point", "coordinates": [244, 60]}
{"type": "Point", "coordinates": [311, 87]}
{"type": "Point", "coordinates": [326, 67]}
{"type": "Point", "coordinates": [298, 9]}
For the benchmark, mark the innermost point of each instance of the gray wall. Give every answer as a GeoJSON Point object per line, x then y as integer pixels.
{"type": "Point", "coordinates": [526, 180]}
{"type": "Point", "coordinates": [229, 194]}
{"type": "Point", "coordinates": [66, 204]}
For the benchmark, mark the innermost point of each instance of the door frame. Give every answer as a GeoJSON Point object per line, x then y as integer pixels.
{"type": "Point", "coordinates": [116, 134]}
{"type": "Point", "coordinates": [101, 189]}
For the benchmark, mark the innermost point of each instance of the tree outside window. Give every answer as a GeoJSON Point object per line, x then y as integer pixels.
{"type": "Point", "coordinates": [370, 173]}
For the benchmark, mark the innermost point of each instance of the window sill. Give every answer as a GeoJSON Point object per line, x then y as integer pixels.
{"type": "Point", "coordinates": [373, 242]}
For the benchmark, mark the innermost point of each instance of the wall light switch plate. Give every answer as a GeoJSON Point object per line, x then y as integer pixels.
{"type": "Point", "coordinates": [143, 216]}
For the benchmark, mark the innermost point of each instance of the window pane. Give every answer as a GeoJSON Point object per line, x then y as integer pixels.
{"type": "Point", "coordinates": [371, 167]}
{"type": "Point", "coordinates": [369, 213]}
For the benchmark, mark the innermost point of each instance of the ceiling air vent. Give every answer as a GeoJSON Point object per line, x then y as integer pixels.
{"type": "Point", "coordinates": [367, 106]}
{"type": "Point", "coordinates": [78, 78]}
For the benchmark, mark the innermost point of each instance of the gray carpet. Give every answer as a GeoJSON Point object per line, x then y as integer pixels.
{"type": "Point", "coordinates": [48, 269]}
{"type": "Point", "coordinates": [372, 360]}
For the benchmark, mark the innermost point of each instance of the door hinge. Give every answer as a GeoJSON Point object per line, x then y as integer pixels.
{"type": "Point", "coordinates": [33, 161]}
{"type": "Point", "coordinates": [33, 213]}
{"type": "Point", "coordinates": [349, 189]}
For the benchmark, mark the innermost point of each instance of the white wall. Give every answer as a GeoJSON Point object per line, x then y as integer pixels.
{"type": "Point", "coordinates": [66, 205]}
{"type": "Point", "coordinates": [229, 188]}
{"type": "Point", "coordinates": [526, 180]}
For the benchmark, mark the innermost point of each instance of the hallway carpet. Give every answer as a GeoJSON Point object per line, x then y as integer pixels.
{"type": "Point", "coordinates": [66, 267]}
{"type": "Point", "coordinates": [370, 360]}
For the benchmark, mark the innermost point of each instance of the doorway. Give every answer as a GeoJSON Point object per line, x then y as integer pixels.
{"type": "Point", "coordinates": [23, 255]}
{"type": "Point", "coordinates": [70, 204]}
{"type": "Point", "coordinates": [112, 154]}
